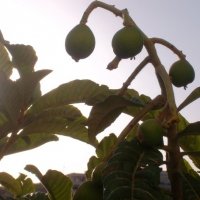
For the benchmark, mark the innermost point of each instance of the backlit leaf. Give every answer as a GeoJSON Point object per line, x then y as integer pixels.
{"type": "Point", "coordinates": [10, 99]}
{"type": "Point", "coordinates": [191, 182]}
{"type": "Point", "coordinates": [77, 129]}
{"type": "Point", "coordinates": [105, 113]}
{"type": "Point", "coordinates": [27, 142]}
{"type": "Point", "coordinates": [69, 112]}
{"type": "Point", "coordinates": [27, 84]}
{"type": "Point", "coordinates": [23, 57]}
{"type": "Point", "coordinates": [133, 172]}
{"type": "Point", "coordinates": [26, 183]}
{"type": "Point", "coordinates": [5, 63]}
{"type": "Point", "coordinates": [57, 184]}
{"type": "Point", "coordinates": [10, 183]}
{"type": "Point", "coordinates": [191, 129]}
{"type": "Point", "coordinates": [194, 95]}
{"type": "Point", "coordinates": [77, 91]}
{"type": "Point", "coordinates": [45, 125]}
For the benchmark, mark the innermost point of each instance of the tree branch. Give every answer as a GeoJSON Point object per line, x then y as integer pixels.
{"type": "Point", "coordinates": [169, 46]}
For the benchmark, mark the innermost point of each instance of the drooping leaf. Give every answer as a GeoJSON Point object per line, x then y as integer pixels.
{"type": "Point", "coordinates": [23, 57]}
{"type": "Point", "coordinates": [10, 183]}
{"type": "Point", "coordinates": [28, 142]}
{"type": "Point", "coordinates": [5, 63]}
{"type": "Point", "coordinates": [57, 184]}
{"type": "Point", "coordinates": [77, 91]}
{"type": "Point", "coordinates": [194, 95]}
{"type": "Point", "coordinates": [27, 84]}
{"type": "Point", "coordinates": [105, 113]}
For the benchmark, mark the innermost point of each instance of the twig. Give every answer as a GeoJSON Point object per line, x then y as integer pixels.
{"type": "Point", "coordinates": [133, 75]}
{"type": "Point", "coordinates": [114, 63]}
{"type": "Point", "coordinates": [96, 4]}
{"type": "Point", "coordinates": [169, 46]}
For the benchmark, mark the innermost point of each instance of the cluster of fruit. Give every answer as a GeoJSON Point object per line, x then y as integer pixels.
{"type": "Point", "coordinates": [126, 43]}
{"type": "Point", "coordinates": [80, 42]}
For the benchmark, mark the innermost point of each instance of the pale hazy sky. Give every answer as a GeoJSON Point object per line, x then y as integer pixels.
{"type": "Point", "coordinates": [45, 24]}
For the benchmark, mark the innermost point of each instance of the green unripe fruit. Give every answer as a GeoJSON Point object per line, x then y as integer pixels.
{"type": "Point", "coordinates": [89, 191]}
{"type": "Point", "coordinates": [150, 133]}
{"type": "Point", "coordinates": [80, 42]}
{"type": "Point", "coordinates": [127, 42]}
{"type": "Point", "coordinates": [181, 73]}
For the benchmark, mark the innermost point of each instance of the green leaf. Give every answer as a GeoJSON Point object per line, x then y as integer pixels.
{"type": "Point", "coordinates": [64, 120]}
{"type": "Point", "coordinates": [105, 113]}
{"type": "Point", "coordinates": [189, 143]}
{"type": "Point", "coordinates": [77, 91]}
{"type": "Point", "coordinates": [106, 145]}
{"type": "Point", "coordinates": [77, 130]}
{"type": "Point", "coordinates": [68, 112]}
{"type": "Point", "coordinates": [33, 169]}
{"type": "Point", "coordinates": [194, 95]}
{"type": "Point", "coordinates": [45, 125]}
{"type": "Point", "coordinates": [26, 183]}
{"type": "Point", "coordinates": [10, 99]}
{"type": "Point", "coordinates": [10, 183]}
{"type": "Point", "coordinates": [141, 100]}
{"type": "Point", "coordinates": [133, 172]}
{"type": "Point", "coordinates": [191, 182]}
{"type": "Point", "coordinates": [57, 184]}
{"type": "Point", "coordinates": [92, 163]}
{"type": "Point", "coordinates": [191, 129]}
{"type": "Point", "coordinates": [23, 57]}
{"type": "Point", "coordinates": [28, 142]}
{"type": "Point", "coordinates": [27, 84]}
{"type": "Point", "coordinates": [5, 63]}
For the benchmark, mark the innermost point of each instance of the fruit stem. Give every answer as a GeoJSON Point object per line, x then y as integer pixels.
{"type": "Point", "coordinates": [114, 63]}
{"type": "Point", "coordinates": [170, 46]}
{"type": "Point", "coordinates": [96, 4]}
{"type": "Point", "coordinates": [133, 75]}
